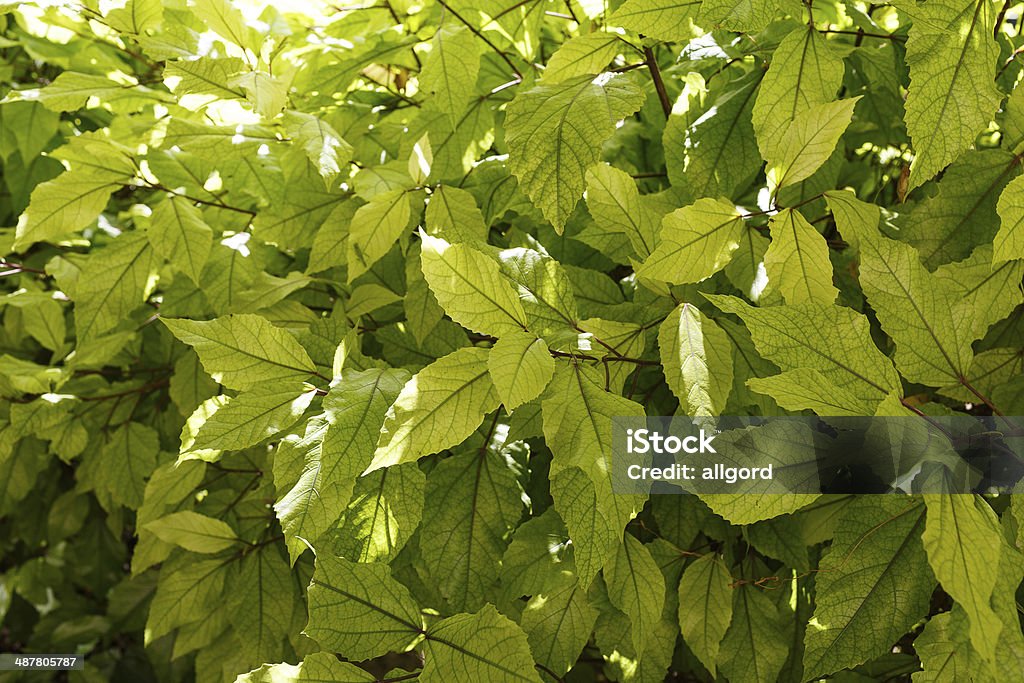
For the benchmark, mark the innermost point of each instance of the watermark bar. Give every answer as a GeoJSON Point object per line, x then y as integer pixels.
{"type": "Point", "coordinates": [10, 661]}
{"type": "Point", "coordinates": [811, 454]}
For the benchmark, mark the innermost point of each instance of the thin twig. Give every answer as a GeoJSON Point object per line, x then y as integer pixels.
{"type": "Point", "coordinates": [1009, 60]}
{"type": "Point", "coordinates": [482, 37]}
{"type": "Point", "coordinates": [549, 672]}
{"type": "Point", "coordinates": [606, 359]}
{"type": "Point", "coordinates": [206, 202]}
{"type": "Point", "coordinates": [628, 67]}
{"type": "Point", "coordinates": [883, 36]}
{"type": "Point", "coordinates": [149, 386]}
{"type": "Point", "coordinates": [984, 399]}
{"type": "Point", "coordinates": [510, 8]}
{"type": "Point", "coordinates": [412, 48]}
{"type": "Point", "coordinates": [18, 268]}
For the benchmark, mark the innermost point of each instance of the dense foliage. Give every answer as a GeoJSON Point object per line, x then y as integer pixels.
{"type": "Point", "coordinates": [315, 318]}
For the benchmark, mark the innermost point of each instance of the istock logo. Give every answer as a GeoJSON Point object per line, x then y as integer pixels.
{"type": "Point", "coordinates": [641, 441]}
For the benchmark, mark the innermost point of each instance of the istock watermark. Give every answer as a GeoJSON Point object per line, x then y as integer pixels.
{"type": "Point", "coordinates": [810, 454]}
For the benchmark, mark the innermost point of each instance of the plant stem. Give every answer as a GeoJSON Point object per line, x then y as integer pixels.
{"type": "Point", "coordinates": [659, 84]}
{"type": "Point", "coordinates": [484, 38]}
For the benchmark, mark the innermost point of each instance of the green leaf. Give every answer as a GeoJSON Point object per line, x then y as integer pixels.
{"type": "Point", "coordinates": [386, 508]}
{"type": "Point", "coordinates": [261, 603]}
{"type": "Point", "coordinates": [664, 21]}
{"type": "Point", "coordinates": [752, 649]}
{"type": "Point", "coordinates": [789, 447]}
{"type": "Point", "coordinates": [558, 623]}
{"type": "Point", "coordinates": [62, 206]}
{"type": "Point", "coordinates": [113, 283]}
{"type": "Point", "coordinates": [314, 668]}
{"type": "Point", "coordinates": [72, 90]}
{"type": "Point", "coordinates": [555, 131]}
{"type": "Point", "coordinates": [636, 587]}
{"type": "Point", "coordinates": [952, 96]}
{"type": "Point", "coordinates": [450, 71]}
{"type": "Point", "coordinates": [538, 558]}
{"type": "Point", "coordinates": [872, 587]}
{"type": "Point", "coordinates": [577, 426]}
{"type": "Point", "coordinates": [189, 590]}
{"type": "Point", "coordinates": [933, 343]}
{"type": "Point", "coordinates": [945, 651]}
{"type": "Point", "coordinates": [984, 293]}
{"type": "Point", "coordinates": [748, 16]}
{"type": "Point", "coordinates": [190, 385]}
{"type": "Point", "coordinates": [807, 389]}
{"type": "Point", "coordinates": [705, 607]}
{"type": "Point", "coordinates": [42, 316]}
{"type": "Point", "coordinates": [462, 542]}
{"type": "Point", "coordinates": [962, 215]}
{"type": "Point", "coordinates": [137, 16]}
{"type": "Point", "coordinates": [696, 360]}
{"type": "Point", "coordinates": [797, 261]}
{"type": "Point", "coordinates": [1009, 241]}
{"type": "Point", "coordinates": [253, 416]}
{"type": "Point", "coordinates": [804, 72]}
{"type": "Point", "coordinates": [355, 409]}
{"type": "Point", "coordinates": [697, 241]}
{"type": "Point", "coordinates": [125, 462]}
{"type": "Point", "coordinates": [330, 244]}
{"type": "Point", "coordinates": [179, 234]}
{"type": "Point", "coordinates": [375, 228]}
{"type": "Point", "coordinates": [614, 202]}
{"type": "Point", "coordinates": [437, 409]}
{"type": "Point", "coordinates": [26, 127]}
{"type": "Point", "coordinates": [194, 532]}
{"type": "Point", "coordinates": [718, 152]}
{"type": "Point", "coordinates": [20, 465]}
{"type": "Point", "coordinates": [964, 544]}
{"type": "Point", "coordinates": [170, 484]}
{"type": "Point", "coordinates": [242, 351]}
{"type": "Point", "coordinates": [521, 367]}
{"type": "Point", "coordinates": [545, 292]}
{"type": "Point", "coordinates": [831, 339]}
{"type": "Point", "coordinates": [469, 286]}
{"type": "Point", "coordinates": [206, 76]}
{"type": "Point", "coordinates": [589, 53]}
{"type": "Point", "coordinates": [268, 94]}
{"type": "Point", "coordinates": [484, 646]}
{"type": "Point", "coordinates": [453, 215]}
{"type": "Point", "coordinates": [359, 609]}
{"type": "Point", "coordinates": [326, 149]}
{"type": "Point", "coordinates": [808, 142]}
{"type": "Point", "coordinates": [227, 21]}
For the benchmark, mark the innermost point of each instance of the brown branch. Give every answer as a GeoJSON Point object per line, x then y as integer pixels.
{"type": "Point", "coordinates": [1002, 15]}
{"type": "Point", "coordinates": [659, 84]}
